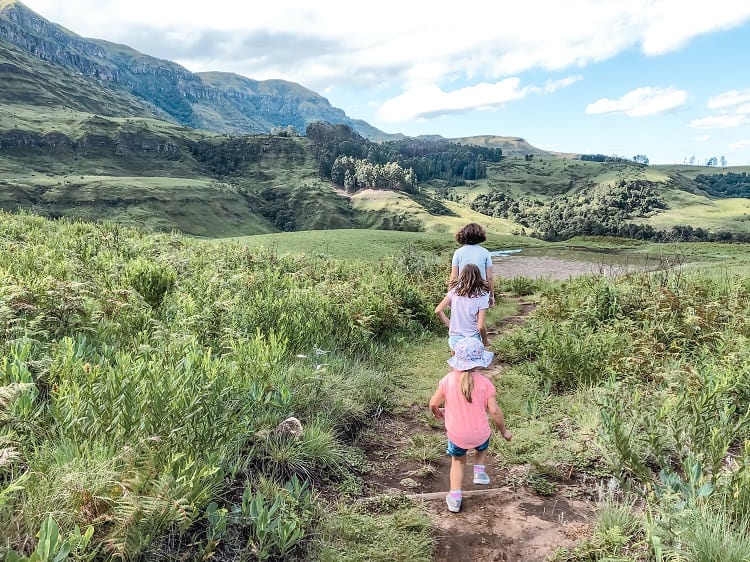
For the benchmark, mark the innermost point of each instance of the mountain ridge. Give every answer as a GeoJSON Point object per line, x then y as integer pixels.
{"type": "Point", "coordinates": [198, 100]}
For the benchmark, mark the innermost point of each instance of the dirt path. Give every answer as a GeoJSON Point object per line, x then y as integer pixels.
{"type": "Point", "coordinates": [503, 521]}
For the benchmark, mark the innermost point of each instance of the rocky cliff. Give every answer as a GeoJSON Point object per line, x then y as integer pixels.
{"type": "Point", "coordinates": [219, 102]}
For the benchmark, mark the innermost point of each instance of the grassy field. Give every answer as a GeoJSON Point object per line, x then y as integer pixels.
{"type": "Point", "coordinates": [713, 214]}
{"type": "Point", "coordinates": [199, 207]}
{"type": "Point", "coordinates": [692, 171]}
{"type": "Point", "coordinates": [373, 245]}
{"type": "Point", "coordinates": [144, 376]}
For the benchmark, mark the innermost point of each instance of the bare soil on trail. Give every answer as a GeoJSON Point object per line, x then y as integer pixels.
{"type": "Point", "coordinates": [506, 520]}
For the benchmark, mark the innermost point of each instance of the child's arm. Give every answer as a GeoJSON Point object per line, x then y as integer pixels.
{"type": "Point", "coordinates": [440, 310]}
{"type": "Point", "coordinates": [491, 281]}
{"type": "Point", "coordinates": [497, 416]}
{"type": "Point", "coordinates": [481, 325]}
{"type": "Point", "coordinates": [437, 399]}
{"type": "Point", "coordinates": [454, 274]}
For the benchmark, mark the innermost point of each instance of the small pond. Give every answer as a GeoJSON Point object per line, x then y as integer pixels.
{"type": "Point", "coordinates": [563, 263]}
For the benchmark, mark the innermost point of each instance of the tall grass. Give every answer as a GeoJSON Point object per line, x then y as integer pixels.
{"type": "Point", "coordinates": [665, 355]}
{"type": "Point", "coordinates": [144, 377]}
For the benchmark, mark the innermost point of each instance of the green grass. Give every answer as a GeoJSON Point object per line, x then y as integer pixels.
{"type": "Point", "coordinates": [713, 214]}
{"type": "Point", "coordinates": [368, 245]}
{"type": "Point", "coordinates": [143, 377]}
{"type": "Point", "coordinates": [199, 207]}
{"type": "Point", "coordinates": [399, 533]}
{"type": "Point", "coordinates": [692, 171]}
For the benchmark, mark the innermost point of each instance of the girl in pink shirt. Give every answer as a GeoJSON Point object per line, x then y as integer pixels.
{"type": "Point", "coordinates": [468, 397]}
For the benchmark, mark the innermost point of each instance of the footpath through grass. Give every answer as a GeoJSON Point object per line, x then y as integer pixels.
{"type": "Point", "coordinates": [633, 392]}
{"type": "Point", "coordinates": [145, 381]}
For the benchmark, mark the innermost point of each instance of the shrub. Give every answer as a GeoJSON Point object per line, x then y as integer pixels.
{"type": "Point", "coordinates": [152, 280]}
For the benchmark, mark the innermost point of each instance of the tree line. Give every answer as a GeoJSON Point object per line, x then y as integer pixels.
{"type": "Point", "coordinates": [725, 185]}
{"type": "Point", "coordinates": [597, 210]}
{"type": "Point", "coordinates": [354, 174]}
{"type": "Point", "coordinates": [338, 150]}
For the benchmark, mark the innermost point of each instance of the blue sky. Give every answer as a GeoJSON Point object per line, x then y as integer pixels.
{"type": "Point", "coordinates": [664, 78]}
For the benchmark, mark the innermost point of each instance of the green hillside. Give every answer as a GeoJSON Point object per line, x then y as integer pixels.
{"type": "Point", "coordinates": [30, 81]}
{"type": "Point", "coordinates": [95, 130]}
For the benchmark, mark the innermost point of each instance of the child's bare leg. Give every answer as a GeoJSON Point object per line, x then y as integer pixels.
{"type": "Point", "coordinates": [457, 472]}
{"type": "Point", "coordinates": [480, 457]}
{"type": "Point", "coordinates": [480, 475]}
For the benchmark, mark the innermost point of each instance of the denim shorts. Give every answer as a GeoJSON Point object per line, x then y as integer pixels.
{"type": "Point", "coordinates": [453, 340]}
{"type": "Point", "coordinates": [456, 451]}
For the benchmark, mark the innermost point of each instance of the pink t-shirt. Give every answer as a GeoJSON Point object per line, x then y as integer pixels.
{"type": "Point", "coordinates": [466, 422]}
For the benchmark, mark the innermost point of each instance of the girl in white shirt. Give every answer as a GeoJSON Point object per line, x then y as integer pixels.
{"type": "Point", "coordinates": [468, 298]}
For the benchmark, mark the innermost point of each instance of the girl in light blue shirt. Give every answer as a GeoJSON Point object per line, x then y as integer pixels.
{"type": "Point", "coordinates": [470, 237]}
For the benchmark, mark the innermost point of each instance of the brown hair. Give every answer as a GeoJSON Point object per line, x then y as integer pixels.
{"type": "Point", "coordinates": [469, 282]}
{"type": "Point", "coordinates": [467, 384]}
{"type": "Point", "coordinates": [472, 233]}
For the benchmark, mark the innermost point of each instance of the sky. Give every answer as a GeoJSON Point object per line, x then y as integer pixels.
{"type": "Point", "coordinates": [663, 78]}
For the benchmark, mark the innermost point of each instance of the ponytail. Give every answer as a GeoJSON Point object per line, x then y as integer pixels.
{"type": "Point", "coordinates": [467, 384]}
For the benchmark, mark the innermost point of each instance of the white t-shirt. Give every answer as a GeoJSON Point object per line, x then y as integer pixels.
{"type": "Point", "coordinates": [464, 313]}
{"type": "Point", "coordinates": [472, 253]}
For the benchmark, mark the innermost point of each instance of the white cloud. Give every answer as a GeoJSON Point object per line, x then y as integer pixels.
{"type": "Point", "coordinates": [671, 24]}
{"type": "Point", "coordinates": [740, 144]}
{"type": "Point", "coordinates": [702, 138]}
{"type": "Point", "coordinates": [428, 100]}
{"type": "Point", "coordinates": [393, 43]}
{"type": "Point", "coordinates": [551, 87]}
{"type": "Point", "coordinates": [641, 102]}
{"type": "Point", "coordinates": [730, 98]}
{"type": "Point", "coordinates": [743, 109]}
{"type": "Point", "coordinates": [719, 122]}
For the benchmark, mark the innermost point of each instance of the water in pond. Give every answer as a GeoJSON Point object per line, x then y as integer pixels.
{"type": "Point", "coordinates": [565, 262]}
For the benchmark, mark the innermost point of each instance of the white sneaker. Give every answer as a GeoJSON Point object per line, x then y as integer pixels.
{"type": "Point", "coordinates": [481, 478]}
{"type": "Point", "coordinates": [454, 504]}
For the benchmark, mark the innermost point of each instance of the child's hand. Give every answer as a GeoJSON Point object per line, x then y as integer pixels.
{"type": "Point", "coordinates": [439, 413]}
{"type": "Point", "coordinates": [507, 435]}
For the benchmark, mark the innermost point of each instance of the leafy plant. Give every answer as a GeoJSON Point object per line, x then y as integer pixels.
{"type": "Point", "coordinates": [152, 280]}
{"type": "Point", "coordinates": [51, 547]}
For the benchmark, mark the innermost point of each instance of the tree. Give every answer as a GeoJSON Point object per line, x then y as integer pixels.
{"type": "Point", "coordinates": [692, 160]}
{"type": "Point", "coordinates": [723, 161]}
{"type": "Point", "coordinates": [713, 161]}
{"type": "Point", "coordinates": [640, 159]}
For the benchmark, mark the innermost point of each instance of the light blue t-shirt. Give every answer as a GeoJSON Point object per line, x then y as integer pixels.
{"type": "Point", "coordinates": [472, 253]}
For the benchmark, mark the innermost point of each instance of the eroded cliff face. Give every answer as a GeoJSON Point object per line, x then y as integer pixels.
{"type": "Point", "coordinates": [244, 107]}
{"type": "Point", "coordinates": [130, 148]}
{"type": "Point", "coordinates": [90, 145]}
{"type": "Point", "coordinates": [52, 43]}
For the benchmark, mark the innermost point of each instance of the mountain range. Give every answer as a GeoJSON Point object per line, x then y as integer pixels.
{"type": "Point", "coordinates": [95, 130]}
{"type": "Point", "coordinates": [131, 83]}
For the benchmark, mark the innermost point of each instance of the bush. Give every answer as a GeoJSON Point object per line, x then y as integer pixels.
{"type": "Point", "coordinates": [152, 280]}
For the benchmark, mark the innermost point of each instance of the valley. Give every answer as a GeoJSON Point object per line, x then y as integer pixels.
{"type": "Point", "coordinates": [218, 337]}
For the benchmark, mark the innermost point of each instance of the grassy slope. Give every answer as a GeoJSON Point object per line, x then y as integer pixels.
{"type": "Point", "coordinates": [29, 80]}
{"type": "Point", "coordinates": [101, 178]}
{"type": "Point", "coordinates": [159, 192]}
{"type": "Point", "coordinates": [143, 187]}
{"type": "Point", "coordinates": [375, 245]}
{"type": "Point", "coordinates": [541, 178]}
{"type": "Point", "coordinates": [195, 206]}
